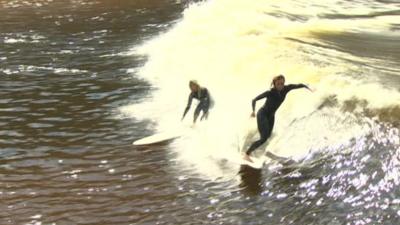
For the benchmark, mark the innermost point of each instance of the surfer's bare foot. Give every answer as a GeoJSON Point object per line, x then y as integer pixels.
{"type": "Point", "coordinates": [247, 157]}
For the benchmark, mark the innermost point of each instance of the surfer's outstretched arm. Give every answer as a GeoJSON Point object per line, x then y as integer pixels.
{"type": "Point", "coordinates": [297, 86]}
{"type": "Point", "coordinates": [188, 105]}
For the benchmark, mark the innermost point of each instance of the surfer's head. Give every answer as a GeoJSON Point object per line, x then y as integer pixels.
{"type": "Point", "coordinates": [278, 82]}
{"type": "Point", "coordinates": [194, 85]}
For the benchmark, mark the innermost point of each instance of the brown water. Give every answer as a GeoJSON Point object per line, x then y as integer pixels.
{"type": "Point", "coordinates": [65, 147]}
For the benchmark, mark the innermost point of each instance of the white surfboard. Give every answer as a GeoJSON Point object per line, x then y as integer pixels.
{"type": "Point", "coordinates": [257, 162]}
{"type": "Point", "coordinates": [158, 138]}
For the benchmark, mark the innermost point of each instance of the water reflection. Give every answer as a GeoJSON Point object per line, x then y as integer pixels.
{"type": "Point", "coordinates": [250, 180]}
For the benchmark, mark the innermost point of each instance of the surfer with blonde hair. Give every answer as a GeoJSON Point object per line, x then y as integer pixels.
{"type": "Point", "coordinates": [266, 114]}
{"type": "Point", "coordinates": [204, 98]}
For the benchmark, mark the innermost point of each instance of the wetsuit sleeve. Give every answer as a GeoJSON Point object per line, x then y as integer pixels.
{"type": "Point", "coordinates": [188, 105]}
{"type": "Point", "coordinates": [295, 86]}
{"type": "Point", "coordinates": [261, 96]}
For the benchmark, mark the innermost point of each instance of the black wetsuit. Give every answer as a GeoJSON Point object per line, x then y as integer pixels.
{"type": "Point", "coordinates": [204, 105]}
{"type": "Point", "coordinates": [266, 114]}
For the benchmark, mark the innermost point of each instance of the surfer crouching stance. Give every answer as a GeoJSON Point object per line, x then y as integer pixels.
{"type": "Point", "coordinates": [266, 114]}
{"type": "Point", "coordinates": [205, 101]}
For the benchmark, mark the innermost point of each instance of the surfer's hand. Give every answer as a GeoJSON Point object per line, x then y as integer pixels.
{"type": "Point", "coordinates": [252, 114]}
{"type": "Point", "coordinates": [310, 89]}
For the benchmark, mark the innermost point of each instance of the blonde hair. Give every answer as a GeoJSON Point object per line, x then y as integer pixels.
{"type": "Point", "coordinates": [194, 82]}
{"type": "Point", "coordinates": [280, 76]}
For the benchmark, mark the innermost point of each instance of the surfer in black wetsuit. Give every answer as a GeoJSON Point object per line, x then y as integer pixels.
{"type": "Point", "coordinates": [266, 115]}
{"type": "Point", "coordinates": [201, 94]}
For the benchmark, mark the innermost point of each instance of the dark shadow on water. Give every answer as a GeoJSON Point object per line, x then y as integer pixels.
{"type": "Point", "coordinates": [250, 180]}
